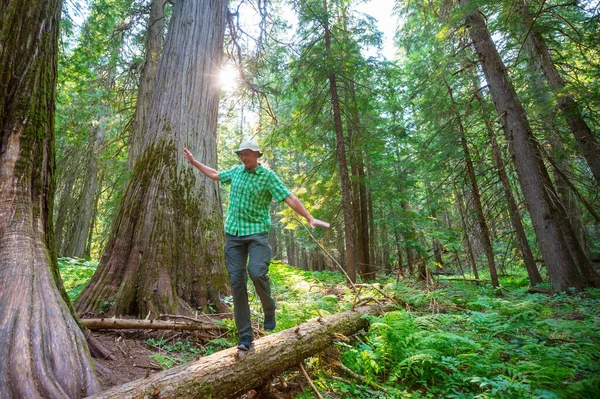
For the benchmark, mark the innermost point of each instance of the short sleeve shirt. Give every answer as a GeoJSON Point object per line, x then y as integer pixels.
{"type": "Point", "coordinates": [250, 199]}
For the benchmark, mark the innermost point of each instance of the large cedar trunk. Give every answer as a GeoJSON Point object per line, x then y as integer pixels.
{"type": "Point", "coordinates": [165, 254]}
{"type": "Point", "coordinates": [43, 351]}
{"type": "Point", "coordinates": [564, 257]}
{"type": "Point", "coordinates": [153, 48]}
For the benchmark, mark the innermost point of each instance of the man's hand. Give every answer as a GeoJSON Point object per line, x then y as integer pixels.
{"type": "Point", "coordinates": [316, 222]}
{"type": "Point", "coordinates": [188, 155]}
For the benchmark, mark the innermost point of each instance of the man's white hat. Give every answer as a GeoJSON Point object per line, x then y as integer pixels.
{"type": "Point", "coordinates": [249, 145]}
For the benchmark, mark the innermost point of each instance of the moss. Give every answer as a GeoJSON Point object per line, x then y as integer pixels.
{"type": "Point", "coordinates": [195, 390]}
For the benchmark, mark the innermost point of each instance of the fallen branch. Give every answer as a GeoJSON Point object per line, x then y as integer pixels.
{"type": "Point", "coordinates": [134, 324]}
{"type": "Point", "coordinates": [314, 388]}
{"type": "Point", "coordinates": [231, 372]}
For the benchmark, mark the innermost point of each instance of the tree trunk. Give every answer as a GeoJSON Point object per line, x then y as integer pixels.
{"type": "Point", "coordinates": [349, 262]}
{"type": "Point", "coordinates": [230, 373]}
{"type": "Point", "coordinates": [487, 242]}
{"type": "Point", "coordinates": [465, 228]}
{"type": "Point", "coordinates": [165, 254]}
{"type": "Point", "coordinates": [580, 129]}
{"type": "Point", "coordinates": [566, 262]}
{"type": "Point", "coordinates": [43, 352]}
{"type": "Point", "coordinates": [83, 215]}
{"type": "Point", "coordinates": [153, 49]}
{"type": "Point", "coordinates": [513, 208]}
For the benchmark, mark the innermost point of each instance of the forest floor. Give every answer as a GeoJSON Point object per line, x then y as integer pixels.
{"type": "Point", "coordinates": [452, 339]}
{"type": "Point", "coordinates": [135, 359]}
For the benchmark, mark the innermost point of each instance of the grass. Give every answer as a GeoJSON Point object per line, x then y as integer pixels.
{"type": "Point", "coordinates": [458, 340]}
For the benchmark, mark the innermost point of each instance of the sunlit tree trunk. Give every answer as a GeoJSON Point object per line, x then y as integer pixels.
{"type": "Point", "coordinates": [564, 257]}
{"type": "Point", "coordinates": [43, 352]}
{"type": "Point", "coordinates": [349, 259]}
{"type": "Point", "coordinates": [165, 254]}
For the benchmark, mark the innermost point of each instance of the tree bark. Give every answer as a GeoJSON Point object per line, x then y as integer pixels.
{"type": "Point", "coordinates": [580, 129]}
{"type": "Point", "coordinates": [349, 260]}
{"type": "Point", "coordinates": [566, 262]}
{"type": "Point", "coordinates": [465, 228]}
{"type": "Point", "coordinates": [129, 324]}
{"type": "Point", "coordinates": [230, 373]}
{"type": "Point", "coordinates": [165, 254]}
{"type": "Point", "coordinates": [43, 352]}
{"type": "Point", "coordinates": [153, 49]}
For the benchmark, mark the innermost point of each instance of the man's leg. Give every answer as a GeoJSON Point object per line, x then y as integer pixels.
{"type": "Point", "coordinates": [236, 254]}
{"type": "Point", "coordinates": [258, 267]}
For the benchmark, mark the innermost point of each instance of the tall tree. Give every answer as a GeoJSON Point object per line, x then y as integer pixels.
{"type": "Point", "coordinates": [349, 232]}
{"type": "Point", "coordinates": [564, 257]}
{"type": "Point", "coordinates": [43, 352]}
{"type": "Point", "coordinates": [513, 208]}
{"type": "Point", "coordinates": [541, 54]}
{"type": "Point", "coordinates": [165, 253]}
{"type": "Point", "coordinates": [487, 242]}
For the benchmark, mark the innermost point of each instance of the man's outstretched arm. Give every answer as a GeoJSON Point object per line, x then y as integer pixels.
{"type": "Point", "coordinates": [299, 208]}
{"type": "Point", "coordinates": [206, 170]}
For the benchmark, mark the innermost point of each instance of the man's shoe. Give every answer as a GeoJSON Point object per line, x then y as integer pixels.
{"type": "Point", "coordinates": [245, 343]}
{"type": "Point", "coordinates": [269, 324]}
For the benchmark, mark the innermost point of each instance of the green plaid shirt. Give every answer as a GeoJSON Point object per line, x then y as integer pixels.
{"type": "Point", "coordinates": [250, 199]}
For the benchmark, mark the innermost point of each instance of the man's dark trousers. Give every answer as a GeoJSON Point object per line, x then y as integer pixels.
{"type": "Point", "coordinates": [237, 251]}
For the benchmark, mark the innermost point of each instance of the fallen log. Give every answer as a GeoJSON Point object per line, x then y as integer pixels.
{"type": "Point", "coordinates": [135, 324]}
{"type": "Point", "coordinates": [231, 372]}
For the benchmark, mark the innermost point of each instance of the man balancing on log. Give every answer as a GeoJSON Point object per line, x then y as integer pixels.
{"type": "Point", "coordinates": [253, 187]}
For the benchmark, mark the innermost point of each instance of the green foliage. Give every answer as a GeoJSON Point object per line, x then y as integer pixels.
{"type": "Point", "coordinates": [177, 352]}
{"type": "Point", "coordinates": [76, 273]}
{"type": "Point", "coordinates": [520, 346]}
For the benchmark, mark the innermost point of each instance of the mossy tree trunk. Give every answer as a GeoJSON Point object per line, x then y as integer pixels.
{"type": "Point", "coordinates": [43, 351]}
{"type": "Point", "coordinates": [567, 264]}
{"type": "Point", "coordinates": [165, 254]}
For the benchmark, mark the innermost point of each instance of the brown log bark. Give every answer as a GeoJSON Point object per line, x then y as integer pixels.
{"type": "Point", "coordinates": [566, 262]}
{"type": "Point", "coordinates": [231, 372]}
{"type": "Point", "coordinates": [165, 254]}
{"type": "Point", "coordinates": [43, 352]}
{"type": "Point", "coordinates": [130, 324]}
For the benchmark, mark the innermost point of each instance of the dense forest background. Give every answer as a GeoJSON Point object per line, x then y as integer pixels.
{"type": "Point", "coordinates": [410, 160]}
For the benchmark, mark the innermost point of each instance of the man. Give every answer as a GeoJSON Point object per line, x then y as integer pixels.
{"type": "Point", "coordinates": [253, 187]}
